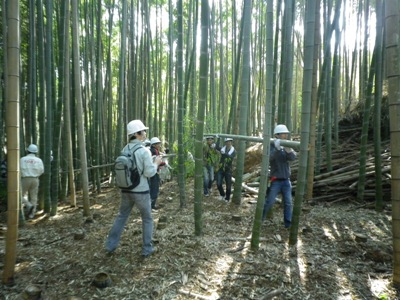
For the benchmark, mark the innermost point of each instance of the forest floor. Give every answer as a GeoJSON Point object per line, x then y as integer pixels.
{"type": "Point", "coordinates": [344, 251]}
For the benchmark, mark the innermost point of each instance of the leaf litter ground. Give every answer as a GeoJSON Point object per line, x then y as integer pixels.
{"type": "Point", "coordinates": [344, 251]}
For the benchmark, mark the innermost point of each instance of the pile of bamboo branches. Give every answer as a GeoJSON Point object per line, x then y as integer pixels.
{"type": "Point", "coordinates": [342, 182]}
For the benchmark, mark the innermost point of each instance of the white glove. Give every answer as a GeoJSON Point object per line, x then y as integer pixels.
{"type": "Point", "coordinates": [277, 144]}
{"type": "Point", "coordinates": [158, 160]}
{"type": "Point", "coordinates": [213, 145]}
{"type": "Point", "coordinates": [288, 149]}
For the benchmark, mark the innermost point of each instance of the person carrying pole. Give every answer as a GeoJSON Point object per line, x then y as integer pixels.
{"type": "Point", "coordinates": [225, 168]}
{"type": "Point", "coordinates": [280, 175]}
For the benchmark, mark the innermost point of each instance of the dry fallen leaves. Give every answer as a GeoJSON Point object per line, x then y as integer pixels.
{"type": "Point", "coordinates": [329, 261]}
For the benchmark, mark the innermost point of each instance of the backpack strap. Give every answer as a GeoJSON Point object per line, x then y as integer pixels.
{"type": "Point", "coordinates": [133, 150]}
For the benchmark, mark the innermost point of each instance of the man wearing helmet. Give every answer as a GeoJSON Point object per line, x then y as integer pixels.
{"type": "Point", "coordinates": [155, 180]}
{"type": "Point", "coordinates": [280, 175]}
{"type": "Point", "coordinates": [210, 158]}
{"type": "Point", "coordinates": [31, 168]}
{"type": "Point", "coordinates": [225, 168]}
{"type": "Point", "coordinates": [139, 195]}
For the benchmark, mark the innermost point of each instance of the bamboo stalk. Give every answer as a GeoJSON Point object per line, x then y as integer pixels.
{"type": "Point", "coordinates": [284, 143]}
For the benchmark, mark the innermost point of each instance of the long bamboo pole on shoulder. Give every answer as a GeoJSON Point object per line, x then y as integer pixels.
{"type": "Point", "coordinates": [284, 143]}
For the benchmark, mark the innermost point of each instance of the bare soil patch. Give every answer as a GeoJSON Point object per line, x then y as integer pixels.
{"type": "Point", "coordinates": [344, 251]}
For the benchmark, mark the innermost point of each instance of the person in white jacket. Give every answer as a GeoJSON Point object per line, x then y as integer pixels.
{"type": "Point", "coordinates": [139, 196]}
{"type": "Point", "coordinates": [31, 168]}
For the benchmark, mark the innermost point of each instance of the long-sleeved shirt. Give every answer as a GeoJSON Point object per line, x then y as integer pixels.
{"type": "Point", "coordinates": [31, 166]}
{"type": "Point", "coordinates": [145, 166]}
{"type": "Point", "coordinates": [154, 152]}
{"type": "Point", "coordinates": [227, 156]}
{"type": "Point", "coordinates": [279, 163]}
{"type": "Point", "coordinates": [210, 155]}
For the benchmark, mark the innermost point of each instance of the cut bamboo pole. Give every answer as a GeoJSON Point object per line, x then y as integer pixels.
{"type": "Point", "coordinates": [284, 143]}
{"type": "Point", "coordinates": [247, 188]}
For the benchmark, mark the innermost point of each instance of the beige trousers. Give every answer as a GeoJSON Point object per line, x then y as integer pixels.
{"type": "Point", "coordinates": [30, 189]}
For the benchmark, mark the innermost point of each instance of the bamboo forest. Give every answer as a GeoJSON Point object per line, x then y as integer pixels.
{"type": "Point", "coordinates": [265, 160]}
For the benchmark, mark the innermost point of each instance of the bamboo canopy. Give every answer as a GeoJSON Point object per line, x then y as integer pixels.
{"type": "Point", "coordinates": [285, 143]}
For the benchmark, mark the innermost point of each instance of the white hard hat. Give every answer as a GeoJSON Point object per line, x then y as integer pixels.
{"type": "Point", "coordinates": [281, 129]}
{"type": "Point", "coordinates": [155, 140]}
{"type": "Point", "coordinates": [228, 139]}
{"type": "Point", "coordinates": [209, 137]}
{"type": "Point", "coordinates": [135, 126]}
{"type": "Point", "coordinates": [147, 142]}
{"type": "Point", "coordinates": [32, 148]}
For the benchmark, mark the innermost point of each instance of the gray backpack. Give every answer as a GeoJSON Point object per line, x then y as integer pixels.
{"type": "Point", "coordinates": [127, 175]}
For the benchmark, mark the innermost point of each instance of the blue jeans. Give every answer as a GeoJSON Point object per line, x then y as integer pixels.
{"type": "Point", "coordinates": [221, 175]}
{"type": "Point", "coordinates": [128, 200]}
{"type": "Point", "coordinates": [208, 178]}
{"type": "Point", "coordinates": [284, 187]}
{"type": "Point", "coordinates": [154, 184]}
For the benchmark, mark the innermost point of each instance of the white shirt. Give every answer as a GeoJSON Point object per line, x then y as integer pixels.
{"type": "Point", "coordinates": [31, 166]}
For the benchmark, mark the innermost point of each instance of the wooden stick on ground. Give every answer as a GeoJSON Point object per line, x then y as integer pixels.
{"type": "Point", "coordinates": [195, 295]}
{"type": "Point", "coordinates": [273, 294]}
{"type": "Point", "coordinates": [247, 188]}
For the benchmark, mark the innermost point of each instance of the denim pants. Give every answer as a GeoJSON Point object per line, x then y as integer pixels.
{"type": "Point", "coordinates": [208, 178]}
{"type": "Point", "coordinates": [143, 203]}
{"type": "Point", "coordinates": [154, 184]}
{"type": "Point", "coordinates": [221, 175]}
{"type": "Point", "coordinates": [284, 187]}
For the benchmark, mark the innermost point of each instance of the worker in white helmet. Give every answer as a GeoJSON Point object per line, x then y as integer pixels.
{"type": "Point", "coordinates": [140, 195]}
{"type": "Point", "coordinates": [225, 169]}
{"type": "Point", "coordinates": [31, 168]}
{"type": "Point", "coordinates": [155, 180]}
{"type": "Point", "coordinates": [280, 175]}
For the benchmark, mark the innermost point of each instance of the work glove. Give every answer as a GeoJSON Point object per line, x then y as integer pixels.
{"type": "Point", "coordinates": [288, 149]}
{"type": "Point", "coordinates": [277, 144]}
{"type": "Point", "coordinates": [213, 145]}
{"type": "Point", "coordinates": [158, 160]}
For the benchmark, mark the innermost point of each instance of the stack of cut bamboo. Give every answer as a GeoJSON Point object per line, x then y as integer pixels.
{"type": "Point", "coordinates": [342, 182]}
